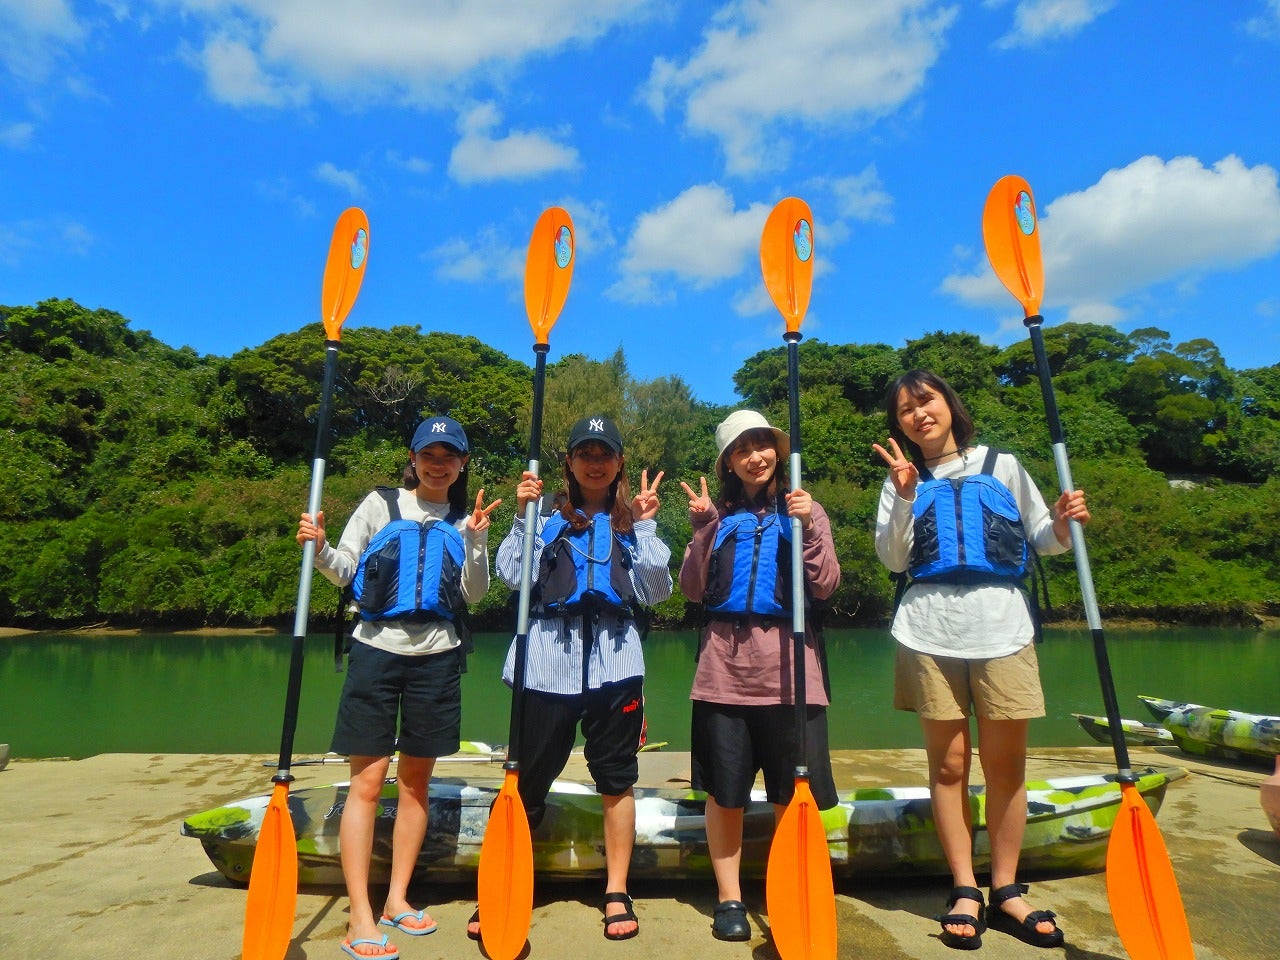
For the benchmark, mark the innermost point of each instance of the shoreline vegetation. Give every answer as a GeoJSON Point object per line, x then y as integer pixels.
{"type": "Point", "coordinates": [155, 489]}
{"type": "Point", "coordinates": [1261, 622]}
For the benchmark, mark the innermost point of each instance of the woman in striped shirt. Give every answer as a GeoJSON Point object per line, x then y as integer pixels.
{"type": "Point", "coordinates": [597, 562]}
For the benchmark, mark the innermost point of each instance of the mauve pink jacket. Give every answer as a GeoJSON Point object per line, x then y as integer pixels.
{"type": "Point", "coordinates": [751, 665]}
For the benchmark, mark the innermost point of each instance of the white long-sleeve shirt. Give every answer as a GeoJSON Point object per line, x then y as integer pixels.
{"type": "Point", "coordinates": [971, 621]}
{"type": "Point", "coordinates": [412, 637]}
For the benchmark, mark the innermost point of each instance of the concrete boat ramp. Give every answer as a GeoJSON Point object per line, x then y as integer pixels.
{"type": "Point", "coordinates": [92, 866]}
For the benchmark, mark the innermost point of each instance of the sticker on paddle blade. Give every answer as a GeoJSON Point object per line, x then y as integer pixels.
{"type": "Point", "coordinates": [359, 246]}
{"type": "Point", "coordinates": [802, 240]}
{"type": "Point", "coordinates": [1024, 212]}
{"type": "Point", "coordinates": [563, 246]}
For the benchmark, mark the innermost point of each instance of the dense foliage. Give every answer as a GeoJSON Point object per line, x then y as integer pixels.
{"type": "Point", "coordinates": [148, 485]}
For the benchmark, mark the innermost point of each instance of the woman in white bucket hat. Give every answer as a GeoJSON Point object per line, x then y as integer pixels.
{"type": "Point", "coordinates": [738, 566]}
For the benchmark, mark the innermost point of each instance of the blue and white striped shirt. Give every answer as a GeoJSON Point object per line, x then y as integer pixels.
{"type": "Point", "coordinates": [553, 663]}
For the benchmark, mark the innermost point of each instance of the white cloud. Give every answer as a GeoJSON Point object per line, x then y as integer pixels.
{"type": "Point", "coordinates": [1037, 21]}
{"type": "Point", "coordinates": [482, 258]}
{"type": "Point", "coordinates": [45, 238]}
{"type": "Point", "coordinates": [35, 36]}
{"type": "Point", "coordinates": [346, 180]}
{"type": "Point", "coordinates": [860, 196]}
{"type": "Point", "coordinates": [1267, 23]}
{"type": "Point", "coordinates": [410, 164]}
{"type": "Point", "coordinates": [1147, 224]}
{"type": "Point", "coordinates": [520, 155]}
{"type": "Point", "coordinates": [413, 51]}
{"type": "Point", "coordinates": [17, 136]}
{"type": "Point", "coordinates": [698, 238]}
{"type": "Point", "coordinates": [234, 75]}
{"type": "Point", "coordinates": [281, 190]}
{"type": "Point", "coordinates": [764, 64]}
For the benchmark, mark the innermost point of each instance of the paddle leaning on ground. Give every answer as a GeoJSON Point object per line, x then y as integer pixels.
{"type": "Point", "coordinates": [798, 887]}
{"type": "Point", "coordinates": [505, 873]}
{"type": "Point", "coordinates": [1141, 887]}
{"type": "Point", "coordinates": [273, 885]}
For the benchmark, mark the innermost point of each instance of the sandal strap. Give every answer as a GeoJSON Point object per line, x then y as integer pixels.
{"type": "Point", "coordinates": [1039, 916]}
{"type": "Point", "coordinates": [966, 893]}
{"type": "Point", "coordinates": [616, 897]}
{"type": "Point", "coordinates": [1011, 891]}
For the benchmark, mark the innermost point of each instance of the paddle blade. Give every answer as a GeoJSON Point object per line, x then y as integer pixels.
{"type": "Point", "coordinates": [273, 883]}
{"type": "Point", "coordinates": [1011, 233]}
{"type": "Point", "coordinates": [548, 268]}
{"type": "Point", "coordinates": [1143, 892]}
{"type": "Point", "coordinates": [799, 892]}
{"type": "Point", "coordinates": [786, 259]}
{"type": "Point", "coordinates": [344, 269]}
{"type": "Point", "coordinates": [505, 875]}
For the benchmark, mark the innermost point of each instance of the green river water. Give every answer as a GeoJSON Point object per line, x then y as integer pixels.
{"type": "Point", "coordinates": [75, 696]}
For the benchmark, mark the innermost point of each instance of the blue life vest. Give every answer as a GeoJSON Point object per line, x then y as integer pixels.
{"type": "Point", "coordinates": [579, 569]}
{"type": "Point", "coordinates": [750, 567]}
{"type": "Point", "coordinates": [967, 529]}
{"type": "Point", "coordinates": [411, 570]}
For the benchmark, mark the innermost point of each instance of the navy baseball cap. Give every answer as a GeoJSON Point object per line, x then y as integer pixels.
{"type": "Point", "coordinates": [599, 429]}
{"type": "Point", "coordinates": [440, 430]}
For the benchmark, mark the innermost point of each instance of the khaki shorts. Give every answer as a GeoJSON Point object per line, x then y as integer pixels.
{"type": "Point", "coordinates": [952, 688]}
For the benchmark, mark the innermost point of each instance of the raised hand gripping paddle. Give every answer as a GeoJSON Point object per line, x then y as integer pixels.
{"type": "Point", "coordinates": [505, 874]}
{"type": "Point", "coordinates": [799, 890]}
{"type": "Point", "coordinates": [273, 882]}
{"type": "Point", "coordinates": [1141, 887]}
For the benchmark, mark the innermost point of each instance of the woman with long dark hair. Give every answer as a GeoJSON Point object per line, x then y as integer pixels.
{"type": "Point", "coordinates": [403, 685]}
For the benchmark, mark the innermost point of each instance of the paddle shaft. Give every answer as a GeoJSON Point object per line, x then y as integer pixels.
{"type": "Point", "coordinates": [799, 671]}
{"type": "Point", "coordinates": [526, 560]}
{"type": "Point", "coordinates": [1083, 572]}
{"type": "Point", "coordinates": [294, 691]}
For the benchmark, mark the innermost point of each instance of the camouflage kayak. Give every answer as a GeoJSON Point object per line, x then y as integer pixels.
{"type": "Point", "coordinates": [1135, 732]}
{"type": "Point", "coordinates": [871, 833]}
{"type": "Point", "coordinates": [1231, 734]}
{"type": "Point", "coordinates": [1161, 708]}
{"type": "Point", "coordinates": [1210, 732]}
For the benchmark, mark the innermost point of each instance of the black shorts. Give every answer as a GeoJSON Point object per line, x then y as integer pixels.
{"type": "Point", "coordinates": [423, 692]}
{"type": "Point", "coordinates": [612, 719]}
{"type": "Point", "coordinates": [731, 743]}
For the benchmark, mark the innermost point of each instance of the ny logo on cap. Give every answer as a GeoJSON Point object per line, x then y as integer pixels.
{"type": "Point", "coordinates": [597, 425]}
{"type": "Point", "coordinates": [438, 427]}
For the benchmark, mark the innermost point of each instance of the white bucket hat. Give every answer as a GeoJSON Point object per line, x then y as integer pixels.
{"type": "Point", "coordinates": [744, 421]}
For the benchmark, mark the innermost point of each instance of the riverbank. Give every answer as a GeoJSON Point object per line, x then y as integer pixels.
{"type": "Point", "coordinates": [93, 865]}
{"type": "Point", "coordinates": [1258, 622]}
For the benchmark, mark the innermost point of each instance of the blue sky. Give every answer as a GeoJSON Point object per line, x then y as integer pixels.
{"type": "Point", "coordinates": [183, 162]}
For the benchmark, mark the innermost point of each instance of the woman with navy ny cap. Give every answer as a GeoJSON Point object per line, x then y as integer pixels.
{"type": "Point", "coordinates": [403, 686]}
{"type": "Point", "coordinates": [597, 562]}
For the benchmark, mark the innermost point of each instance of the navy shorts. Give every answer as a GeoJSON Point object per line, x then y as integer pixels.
{"type": "Point", "coordinates": [731, 743]}
{"type": "Point", "coordinates": [612, 719]}
{"type": "Point", "coordinates": [424, 693]}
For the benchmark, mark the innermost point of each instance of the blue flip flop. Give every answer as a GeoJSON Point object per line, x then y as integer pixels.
{"type": "Point", "coordinates": [349, 948]}
{"type": "Point", "coordinates": [398, 921]}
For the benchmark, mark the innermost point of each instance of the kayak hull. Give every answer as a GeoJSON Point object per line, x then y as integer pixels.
{"type": "Point", "coordinates": [1225, 734]}
{"type": "Point", "coordinates": [870, 833]}
{"type": "Point", "coordinates": [1136, 733]}
{"type": "Point", "coordinates": [1229, 734]}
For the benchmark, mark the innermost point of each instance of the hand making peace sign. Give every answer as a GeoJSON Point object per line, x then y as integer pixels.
{"type": "Point", "coordinates": [902, 471]}
{"type": "Point", "coordinates": [698, 503]}
{"type": "Point", "coordinates": [479, 520]}
{"type": "Point", "coordinates": [644, 505]}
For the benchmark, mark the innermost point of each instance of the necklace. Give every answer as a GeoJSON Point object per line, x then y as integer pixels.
{"type": "Point", "coordinates": [942, 456]}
